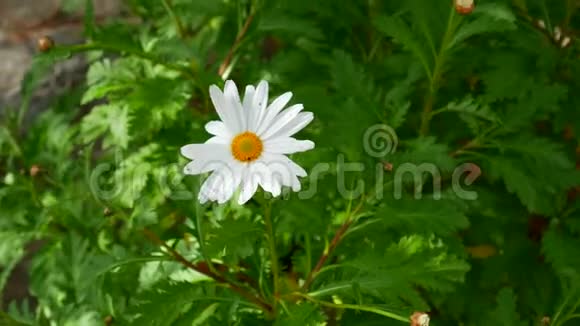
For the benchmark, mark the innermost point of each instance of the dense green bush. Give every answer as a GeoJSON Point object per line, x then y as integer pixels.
{"type": "Point", "coordinates": [442, 180]}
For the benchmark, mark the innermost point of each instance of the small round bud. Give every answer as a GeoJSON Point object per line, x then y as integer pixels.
{"type": "Point", "coordinates": [107, 212]}
{"type": "Point", "coordinates": [568, 133]}
{"type": "Point", "coordinates": [541, 24]}
{"type": "Point", "coordinates": [45, 43]}
{"type": "Point", "coordinates": [420, 319]}
{"type": "Point", "coordinates": [565, 42]}
{"type": "Point", "coordinates": [388, 166]}
{"type": "Point", "coordinates": [557, 33]}
{"type": "Point", "coordinates": [108, 320]}
{"type": "Point", "coordinates": [34, 170]}
{"type": "Point", "coordinates": [546, 321]}
{"type": "Point", "coordinates": [464, 7]}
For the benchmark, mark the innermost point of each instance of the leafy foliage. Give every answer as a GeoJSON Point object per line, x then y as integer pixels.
{"type": "Point", "coordinates": [463, 205]}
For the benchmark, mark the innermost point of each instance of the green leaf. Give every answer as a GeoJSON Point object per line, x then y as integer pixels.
{"type": "Point", "coordinates": [472, 112]}
{"type": "Point", "coordinates": [356, 107]}
{"type": "Point", "coordinates": [506, 77]}
{"type": "Point", "coordinates": [165, 303]}
{"type": "Point", "coordinates": [278, 22]}
{"type": "Point", "coordinates": [488, 18]}
{"type": "Point", "coordinates": [413, 261]}
{"type": "Point", "coordinates": [112, 120]}
{"type": "Point", "coordinates": [6, 320]}
{"type": "Point", "coordinates": [535, 169]}
{"type": "Point", "coordinates": [235, 239]}
{"type": "Point", "coordinates": [396, 28]}
{"type": "Point", "coordinates": [441, 217]}
{"type": "Point", "coordinates": [134, 173]}
{"type": "Point", "coordinates": [505, 314]}
{"type": "Point", "coordinates": [422, 154]}
{"type": "Point", "coordinates": [303, 314]}
{"type": "Point", "coordinates": [561, 251]}
{"type": "Point", "coordinates": [12, 245]}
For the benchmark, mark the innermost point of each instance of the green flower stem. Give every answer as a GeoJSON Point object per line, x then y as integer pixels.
{"type": "Point", "coordinates": [570, 315]}
{"type": "Point", "coordinates": [574, 316]}
{"type": "Point", "coordinates": [437, 72]}
{"type": "Point", "coordinates": [178, 24]}
{"type": "Point", "coordinates": [371, 309]}
{"type": "Point", "coordinates": [12, 141]}
{"type": "Point", "coordinates": [201, 236]}
{"type": "Point", "coordinates": [273, 253]}
{"type": "Point", "coordinates": [308, 248]}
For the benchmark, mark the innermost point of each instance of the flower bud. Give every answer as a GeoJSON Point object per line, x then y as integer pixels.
{"type": "Point", "coordinates": [464, 7]}
{"type": "Point", "coordinates": [565, 42]}
{"type": "Point", "coordinates": [45, 43]}
{"type": "Point", "coordinates": [107, 212]}
{"type": "Point", "coordinates": [420, 319]}
{"type": "Point", "coordinates": [541, 24]}
{"type": "Point", "coordinates": [557, 33]}
{"type": "Point", "coordinates": [34, 170]}
{"type": "Point", "coordinates": [388, 166]}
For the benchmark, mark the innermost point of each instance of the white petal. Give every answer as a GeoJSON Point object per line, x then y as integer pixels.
{"type": "Point", "coordinates": [218, 140]}
{"type": "Point", "coordinates": [265, 177]}
{"type": "Point", "coordinates": [217, 128]}
{"type": "Point", "coordinates": [223, 109]}
{"type": "Point", "coordinates": [231, 183]}
{"type": "Point", "coordinates": [282, 170]}
{"type": "Point", "coordinates": [258, 107]}
{"type": "Point", "coordinates": [249, 186]}
{"type": "Point", "coordinates": [207, 192]}
{"type": "Point", "coordinates": [281, 120]}
{"type": "Point", "coordinates": [247, 104]}
{"type": "Point", "coordinates": [233, 100]}
{"type": "Point", "coordinates": [283, 159]}
{"type": "Point", "coordinates": [294, 126]}
{"type": "Point", "coordinates": [220, 185]}
{"type": "Point", "coordinates": [195, 151]}
{"type": "Point", "coordinates": [274, 187]}
{"type": "Point", "coordinates": [287, 145]}
{"type": "Point", "coordinates": [296, 185]}
{"type": "Point", "coordinates": [214, 160]}
{"type": "Point", "coordinates": [248, 97]}
{"type": "Point", "coordinates": [277, 105]}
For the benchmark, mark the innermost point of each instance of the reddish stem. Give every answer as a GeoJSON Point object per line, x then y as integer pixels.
{"type": "Point", "coordinates": [333, 244]}
{"type": "Point", "coordinates": [239, 37]}
{"type": "Point", "coordinates": [204, 269]}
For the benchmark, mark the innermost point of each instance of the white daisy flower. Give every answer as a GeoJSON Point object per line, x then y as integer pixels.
{"type": "Point", "coordinates": [249, 145]}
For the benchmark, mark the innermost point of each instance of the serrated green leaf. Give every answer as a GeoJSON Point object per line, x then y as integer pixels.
{"type": "Point", "coordinates": [561, 251]}
{"type": "Point", "coordinates": [489, 18]}
{"type": "Point", "coordinates": [109, 119]}
{"type": "Point", "coordinates": [134, 173]}
{"type": "Point", "coordinates": [398, 269]}
{"type": "Point", "coordinates": [441, 217]}
{"type": "Point", "coordinates": [235, 239]}
{"type": "Point", "coordinates": [396, 28]}
{"type": "Point", "coordinates": [165, 303]}
{"type": "Point", "coordinates": [305, 313]}
{"type": "Point", "coordinates": [505, 313]}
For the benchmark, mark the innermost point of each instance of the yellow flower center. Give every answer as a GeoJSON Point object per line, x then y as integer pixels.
{"type": "Point", "coordinates": [247, 147]}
